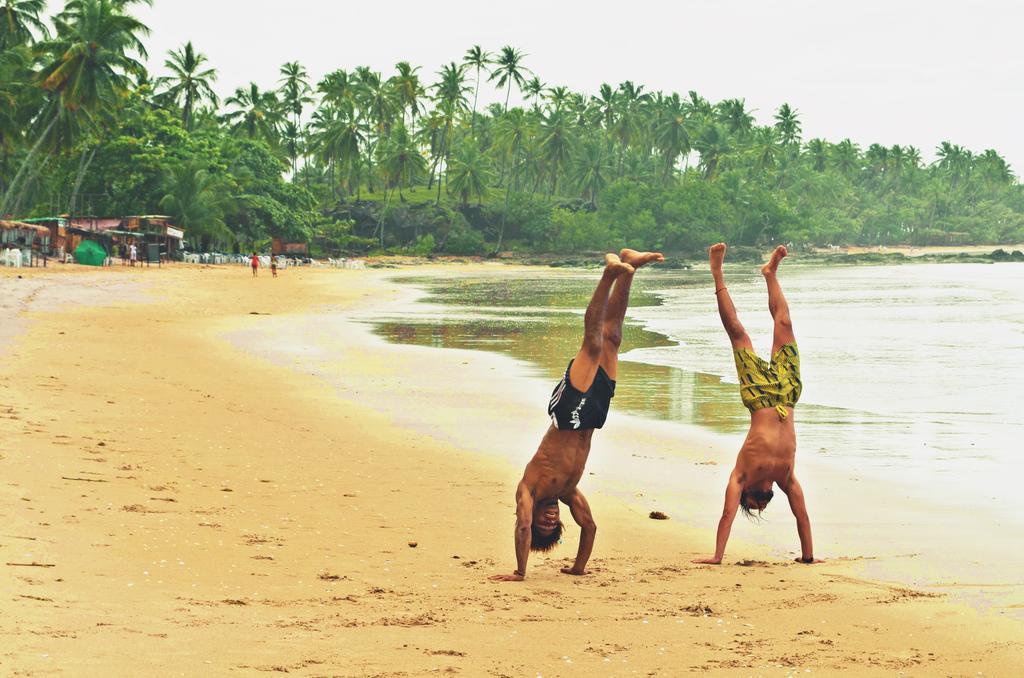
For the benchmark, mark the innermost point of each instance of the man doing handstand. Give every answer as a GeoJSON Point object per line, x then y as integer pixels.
{"type": "Point", "coordinates": [579, 404]}
{"type": "Point", "coordinates": [770, 391]}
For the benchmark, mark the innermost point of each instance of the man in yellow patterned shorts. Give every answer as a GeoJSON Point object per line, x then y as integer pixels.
{"type": "Point", "coordinates": [770, 390]}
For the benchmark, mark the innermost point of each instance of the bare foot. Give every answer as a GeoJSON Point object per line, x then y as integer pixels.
{"type": "Point", "coordinates": [778, 254]}
{"type": "Point", "coordinates": [716, 255]}
{"type": "Point", "coordinates": [615, 266]}
{"type": "Point", "coordinates": [638, 259]}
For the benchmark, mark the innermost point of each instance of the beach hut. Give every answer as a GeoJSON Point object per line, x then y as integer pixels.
{"type": "Point", "coordinates": [289, 249]}
{"type": "Point", "coordinates": [31, 240]}
{"type": "Point", "coordinates": [154, 229]}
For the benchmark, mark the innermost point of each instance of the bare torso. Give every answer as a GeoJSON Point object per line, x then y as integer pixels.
{"type": "Point", "coordinates": [557, 466]}
{"type": "Point", "coordinates": [769, 450]}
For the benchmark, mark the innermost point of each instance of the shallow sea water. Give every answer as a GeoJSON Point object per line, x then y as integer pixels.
{"type": "Point", "coordinates": [912, 377]}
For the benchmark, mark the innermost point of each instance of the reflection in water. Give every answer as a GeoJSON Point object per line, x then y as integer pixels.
{"type": "Point", "coordinates": [911, 386]}
{"type": "Point", "coordinates": [540, 320]}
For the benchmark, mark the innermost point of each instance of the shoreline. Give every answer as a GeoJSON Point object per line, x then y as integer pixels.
{"type": "Point", "coordinates": [256, 517]}
{"type": "Point", "coordinates": [835, 486]}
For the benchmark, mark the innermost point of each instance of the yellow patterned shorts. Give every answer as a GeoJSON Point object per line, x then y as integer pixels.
{"type": "Point", "coordinates": [776, 384]}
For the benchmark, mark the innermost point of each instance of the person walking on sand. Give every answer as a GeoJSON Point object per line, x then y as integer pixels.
{"type": "Point", "coordinates": [273, 265]}
{"type": "Point", "coordinates": [770, 390]}
{"type": "Point", "coordinates": [133, 254]}
{"type": "Point", "coordinates": [578, 405]}
{"type": "Point", "coordinates": [255, 261]}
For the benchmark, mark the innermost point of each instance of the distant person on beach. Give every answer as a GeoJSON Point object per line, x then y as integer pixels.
{"type": "Point", "coordinates": [255, 264]}
{"type": "Point", "coordinates": [770, 390]}
{"type": "Point", "coordinates": [578, 405]}
{"type": "Point", "coordinates": [273, 265]}
{"type": "Point", "coordinates": [133, 254]}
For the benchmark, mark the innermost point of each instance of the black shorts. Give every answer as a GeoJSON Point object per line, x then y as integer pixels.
{"type": "Point", "coordinates": [572, 410]}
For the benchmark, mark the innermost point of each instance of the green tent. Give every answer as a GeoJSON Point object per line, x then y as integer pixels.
{"type": "Point", "coordinates": [90, 253]}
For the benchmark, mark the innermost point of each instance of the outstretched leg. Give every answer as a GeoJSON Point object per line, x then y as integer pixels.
{"type": "Point", "coordinates": [618, 301]}
{"type": "Point", "coordinates": [726, 310]}
{"type": "Point", "coordinates": [588, 358]}
{"type": "Point", "coordinates": [777, 306]}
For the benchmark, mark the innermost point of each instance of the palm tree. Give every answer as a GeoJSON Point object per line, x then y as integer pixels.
{"type": "Point", "coordinates": [672, 134]}
{"type": "Point", "coordinates": [734, 114]}
{"type": "Point", "coordinates": [846, 156]}
{"type": "Point", "coordinates": [555, 144]}
{"type": "Point", "coordinates": [87, 70]}
{"type": "Point", "coordinates": [336, 87]}
{"type": "Point", "coordinates": [591, 168]}
{"type": "Point", "coordinates": [379, 105]}
{"type": "Point", "coordinates": [257, 114]}
{"type": "Point", "coordinates": [338, 137]}
{"type": "Point", "coordinates": [476, 58]}
{"type": "Point", "coordinates": [877, 159]}
{"type": "Point", "coordinates": [512, 131]}
{"type": "Point", "coordinates": [401, 160]}
{"type": "Point", "coordinates": [765, 147]}
{"type": "Point", "coordinates": [19, 21]}
{"type": "Point", "coordinates": [534, 88]}
{"type": "Point", "coordinates": [954, 161]}
{"type": "Point", "coordinates": [408, 88]}
{"type": "Point", "coordinates": [295, 94]}
{"type": "Point", "coordinates": [188, 85]}
{"type": "Point", "coordinates": [558, 96]}
{"type": "Point", "coordinates": [698, 105]}
{"type": "Point", "coordinates": [627, 103]}
{"type": "Point", "coordinates": [994, 168]}
{"type": "Point", "coordinates": [18, 99]}
{"type": "Point", "coordinates": [450, 94]}
{"type": "Point", "coordinates": [787, 122]}
{"type": "Point", "coordinates": [295, 90]}
{"type": "Point", "coordinates": [198, 202]}
{"type": "Point", "coordinates": [469, 173]}
{"type": "Point", "coordinates": [606, 102]}
{"type": "Point", "coordinates": [713, 145]}
{"type": "Point", "coordinates": [817, 152]}
{"type": "Point", "coordinates": [509, 69]}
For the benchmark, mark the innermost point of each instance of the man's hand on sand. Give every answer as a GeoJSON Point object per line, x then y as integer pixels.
{"type": "Point", "coordinates": [515, 576]}
{"type": "Point", "coordinates": [708, 561]}
{"type": "Point", "coordinates": [812, 561]}
{"type": "Point", "coordinates": [573, 571]}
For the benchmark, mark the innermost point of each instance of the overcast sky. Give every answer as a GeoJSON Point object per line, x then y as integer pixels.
{"type": "Point", "coordinates": [888, 71]}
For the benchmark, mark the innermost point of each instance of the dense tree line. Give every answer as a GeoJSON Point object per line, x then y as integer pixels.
{"type": "Point", "coordinates": [411, 161]}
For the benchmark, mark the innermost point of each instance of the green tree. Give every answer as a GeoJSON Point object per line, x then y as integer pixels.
{"type": "Point", "coordinates": [509, 69]}
{"type": "Point", "coordinates": [591, 168]}
{"type": "Point", "coordinates": [469, 174]}
{"type": "Point", "coordinates": [198, 201]}
{"type": "Point", "coordinates": [408, 88]}
{"type": "Point", "coordinates": [450, 95]}
{"type": "Point", "coordinates": [556, 144]}
{"type": "Point", "coordinates": [256, 115]}
{"type": "Point", "coordinates": [87, 69]}
{"type": "Point", "coordinates": [787, 123]}
{"type": "Point", "coordinates": [189, 83]}
{"type": "Point", "coordinates": [20, 21]}
{"type": "Point", "coordinates": [295, 95]}
{"type": "Point", "coordinates": [476, 58]}
{"type": "Point", "coordinates": [401, 160]}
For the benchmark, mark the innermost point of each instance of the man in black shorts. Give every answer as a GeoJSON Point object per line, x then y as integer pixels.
{"type": "Point", "coordinates": [578, 405]}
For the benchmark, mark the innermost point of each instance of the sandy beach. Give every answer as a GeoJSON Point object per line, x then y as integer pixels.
{"type": "Point", "coordinates": [188, 490]}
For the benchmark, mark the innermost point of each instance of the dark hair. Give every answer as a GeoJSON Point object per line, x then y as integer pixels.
{"type": "Point", "coordinates": [758, 496]}
{"type": "Point", "coordinates": [541, 542]}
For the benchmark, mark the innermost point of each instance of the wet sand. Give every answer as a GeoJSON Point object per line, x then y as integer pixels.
{"type": "Point", "coordinates": [186, 489]}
